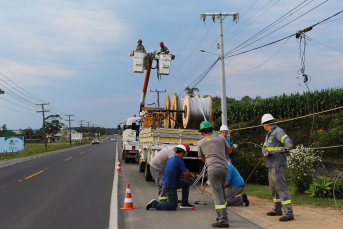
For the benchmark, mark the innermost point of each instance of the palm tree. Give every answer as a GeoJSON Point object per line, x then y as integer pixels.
{"type": "Point", "coordinates": [190, 91]}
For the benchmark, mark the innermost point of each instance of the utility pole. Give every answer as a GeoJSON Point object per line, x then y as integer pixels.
{"type": "Point", "coordinates": [88, 130]}
{"type": "Point", "coordinates": [70, 126]}
{"type": "Point", "coordinates": [221, 57]}
{"type": "Point", "coordinates": [42, 104]}
{"type": "Point", "coordinates": [81, 129]}
{"type": "Point", "coordinates": [158, 96]}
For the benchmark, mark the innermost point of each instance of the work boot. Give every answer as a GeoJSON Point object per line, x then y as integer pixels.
{"type": "Point", "coordinates": [149, 205]}
{"type": "Point", "coordinates": [245, 200]}
{"type": "Point", "coordinates": [188, 205]}
{"type": "Point", "coordinates": [274, 213]}
{"type": "Point", "coordinates": [220, 224]}
{"type": "Point", "coordinates": [286, 218]}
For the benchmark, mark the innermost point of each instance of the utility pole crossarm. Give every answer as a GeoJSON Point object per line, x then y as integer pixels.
{"type": "Point", "coordinates": [220, 13]}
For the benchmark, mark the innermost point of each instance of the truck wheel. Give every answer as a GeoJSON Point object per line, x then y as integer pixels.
{"type": "Point", "coordinates": [147, 174]}
{"type": "Point", "coordinates": [127, 160]}
{"type": "Point", "coordinates": [141, 167]}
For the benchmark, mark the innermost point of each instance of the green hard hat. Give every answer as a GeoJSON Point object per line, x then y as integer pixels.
{"type": "Point", "coordinates": [205, 125]}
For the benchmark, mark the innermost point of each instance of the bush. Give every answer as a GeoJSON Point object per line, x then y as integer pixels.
{"type": "Point", "coordinates": [323, 187]}
{"type": "Point", "coordinates": [300, 162]}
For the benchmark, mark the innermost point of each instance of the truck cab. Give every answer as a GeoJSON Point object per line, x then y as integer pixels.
{"type": "Point", "coordinates": [131, 139]}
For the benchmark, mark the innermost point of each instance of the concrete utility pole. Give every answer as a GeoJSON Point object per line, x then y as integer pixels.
{"type": "Point", "coordinates": [70, 126]}
{"type": "Point", "coordinates": [88, 130]}
{"type": "Point", "coordinates": [158, 96]}
{"type": "Point", "coordinates": [42, 104]}
{"type": "Point", "coordinates": [221, 57]}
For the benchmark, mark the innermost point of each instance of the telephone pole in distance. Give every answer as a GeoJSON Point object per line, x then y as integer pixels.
{"type": "Point", "coordinates": [43, 104]}
{"type": "Point", "coordinates": [69, 126]}
{"type": "Point", "coordinates": [158, 96]}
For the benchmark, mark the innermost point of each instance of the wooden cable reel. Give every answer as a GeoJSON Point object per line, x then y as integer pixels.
{"type": "Point", "coordinates": [176, 104]}
{"type": "Point", "coordinates": [167, 116]}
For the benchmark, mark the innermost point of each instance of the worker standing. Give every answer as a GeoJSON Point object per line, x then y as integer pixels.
{"type": "Point", "coordinates": [224, 130]}
{"type": "Point", "coordinates": [234, 186]}
{"type": "Point", "coordinates": [277, 143]}
{"type": "Point", "coordinates": [175, 167]}
{"type": "Point", "coordinates": [140, 47]}
{"type": "Point", "coordinates": [212, 149]}
{"type": "Point", "coordinates": [164, 48]}
{"type": "Point", "coordinates": [157, 165]}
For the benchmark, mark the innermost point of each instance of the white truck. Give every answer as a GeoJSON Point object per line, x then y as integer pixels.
{"type": "Point", "coordinates": [130, 146]}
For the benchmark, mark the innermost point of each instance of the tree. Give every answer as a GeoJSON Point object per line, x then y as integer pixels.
{"type": "Point", "coordinates": [2, 92]}
{"type": "Point", "coordinates": [28, 132]}
{"type": "Point", "coordinates": [3, 130]}
{"type": "Point", "coordinates": [190, 91]}
{"type": "Point", "coordinates": [54, 126]}
{"type": "Point", "coordinates": [246, 98]}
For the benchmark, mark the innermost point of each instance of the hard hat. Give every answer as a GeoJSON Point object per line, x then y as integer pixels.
{"type": "Point", "coordinates": [139, 40]}
{"type": "Point", "coordinates": [187, 147]}
{"type": "Point", "coordinates": [205, 125]}
{"type": "Point", "coordinates": [224, 128]}
{"type": "Point", "coordinates": [180, 147]}
{"type": "Point", "coordinates": [266, 118]}
{"type": "Point", "coordinates": [161, 43]}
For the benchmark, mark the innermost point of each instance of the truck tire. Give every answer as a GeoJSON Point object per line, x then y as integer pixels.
{"type": "Point", "coordinates": [147, 174]}
{"type": "Point", "coordinates": [127, 160]}
{"type": "Point", "coordinates": [141, 167]}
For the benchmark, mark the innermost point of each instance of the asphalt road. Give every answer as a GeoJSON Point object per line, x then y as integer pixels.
{"type": "Point", "coordinates": [142, 192]}
{"type": "Point", "coordinates": [66, 189]}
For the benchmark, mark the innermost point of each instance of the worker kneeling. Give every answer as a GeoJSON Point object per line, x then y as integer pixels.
{"type": "Point", "coordinates": [234, 186]}
{"type": "Point", "coordinates": [171, 181]}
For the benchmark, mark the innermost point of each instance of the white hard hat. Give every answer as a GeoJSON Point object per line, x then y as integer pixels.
{"type": "Point", "coordinates": [180, 147]}
{"type": "Point", "coordinates": [266, 118]}
{"type": "Point", "coordinates": [224, 128]}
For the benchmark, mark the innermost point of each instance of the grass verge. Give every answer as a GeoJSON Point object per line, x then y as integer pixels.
{"type": "Point", "coordinates": [36, 148]}
{"type": "Point", "coordinates": [263, 192]}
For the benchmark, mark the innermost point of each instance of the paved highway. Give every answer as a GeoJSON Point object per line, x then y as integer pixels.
{"type": "Point", "coordinates": [68, 189]}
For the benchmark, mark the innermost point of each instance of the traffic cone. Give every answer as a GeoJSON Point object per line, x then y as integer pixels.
{"type": "Point", "coordinates": [128, 205]}
{"type": "Point", "coordinates": [118, 166]}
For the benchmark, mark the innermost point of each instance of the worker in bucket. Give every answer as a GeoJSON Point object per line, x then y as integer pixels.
{"type": "Point", "coordinates": [164, 49]}
{"type": "Point", "coordinates": [234, 186]}
{"type": "Point", "coordinates": [277, 144]}
{"type": "Point", "coordinates": [212, 149]}
{"type": "Point", "coordinates": [139, 46]}
{"type": "Point", "coordinates": [157, 165]}
{"type": "Point", "coordinates": [171, 182]}
{"type": "Point", "coordinates": [224, 130]}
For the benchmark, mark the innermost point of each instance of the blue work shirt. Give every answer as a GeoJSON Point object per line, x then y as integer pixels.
{"type": "Point", "coordinates": [229, 143]}
{"type": "Point", "coordinates": [234, 177]}
{"type": "Point", "coordinates": [172, 172]}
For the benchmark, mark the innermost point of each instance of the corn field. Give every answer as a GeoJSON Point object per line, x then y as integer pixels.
{"type": "Point", "coordinates": [284, 106]}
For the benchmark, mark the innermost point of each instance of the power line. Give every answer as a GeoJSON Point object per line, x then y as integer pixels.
{"type": "Point", "coordinates": [18, 111]}
{"type": "Point", "coordinates": [324, 44]}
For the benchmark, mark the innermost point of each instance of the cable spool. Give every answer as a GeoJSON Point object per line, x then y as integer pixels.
{"type": "Point", "coordinates": [176, 104]}
{"type": "Point", "coordinates": [167, 107]}
{"type": "Point", "coordinates": [193, 115]}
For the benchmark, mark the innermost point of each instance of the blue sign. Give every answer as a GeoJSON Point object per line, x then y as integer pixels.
{"type": "Point", "coordinates": [9, 144]}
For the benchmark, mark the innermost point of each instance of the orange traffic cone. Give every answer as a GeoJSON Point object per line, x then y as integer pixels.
{"type": "Point", "coordinates": [118, 166]}
{"type": "Point", "coordinates": [128, 205]}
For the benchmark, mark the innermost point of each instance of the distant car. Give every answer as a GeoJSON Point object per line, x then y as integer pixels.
{"type": "Point", "coordinates": [95, 141]}
{"type": "Point", "coordinates": [113, 139]}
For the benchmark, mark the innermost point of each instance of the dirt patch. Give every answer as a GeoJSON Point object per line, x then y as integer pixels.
{"type": "Point", "coordinates": [304, 216]}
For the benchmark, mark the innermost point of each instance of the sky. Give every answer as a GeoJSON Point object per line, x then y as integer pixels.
{"type": "Point", "coordinates": [74, 54]}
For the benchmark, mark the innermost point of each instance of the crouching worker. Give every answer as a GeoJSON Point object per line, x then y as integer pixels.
{"type": "Point", "coordinates": [234, 186]}
{"type": "Point", "coordinates": [171, 182]}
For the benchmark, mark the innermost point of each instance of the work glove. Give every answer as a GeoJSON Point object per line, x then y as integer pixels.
{"type": "Point", "coordinates": [265, 152]}
{"type": "Point", "coordinates": [287, 148]}
{"type": "Point", "coordinates": [234, 146]}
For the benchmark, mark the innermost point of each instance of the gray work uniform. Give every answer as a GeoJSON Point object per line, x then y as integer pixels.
{"type": "Point", "coordinates": [157, 165]}
{"type": "Point", "coordinates": [164, 49]}
{"type": "Point", "coordinates": [140, 47]}
{"type": "Point", "coordinates": [213, 147]}
{"type": "Point", "coordinates": [276, 163]}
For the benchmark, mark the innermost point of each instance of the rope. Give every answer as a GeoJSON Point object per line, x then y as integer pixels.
{"type": "Point", "coordinates": [287, 120]}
